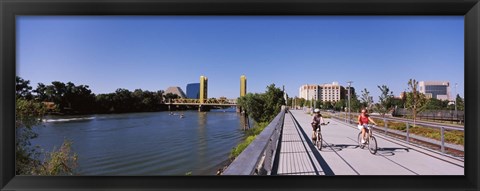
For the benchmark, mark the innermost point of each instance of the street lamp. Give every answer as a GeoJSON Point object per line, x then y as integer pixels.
{"type": "Point", "coordinates": [349, 85]}
{"type": "Point", "coordinates": [455, 100]}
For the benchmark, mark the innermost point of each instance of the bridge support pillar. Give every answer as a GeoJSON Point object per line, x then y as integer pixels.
{"type": "Point", "coordinates": [203, 108]}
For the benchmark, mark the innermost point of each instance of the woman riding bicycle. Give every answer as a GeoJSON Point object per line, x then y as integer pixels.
{"type": "Point", "coordinates": [363, 120]}
{"type": "Point", "coordinates": [317, 120]}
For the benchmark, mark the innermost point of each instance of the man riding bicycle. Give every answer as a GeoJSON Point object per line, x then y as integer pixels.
{"type": "Point", "coordinates": [317, 120]}
{"type": "Point", "coordinates": [363, 120]}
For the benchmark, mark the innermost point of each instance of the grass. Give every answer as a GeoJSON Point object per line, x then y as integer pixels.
{"type": "Point", "coordinates": [251, 135]}
{"type": "Point", "coordinates": [454, 137]}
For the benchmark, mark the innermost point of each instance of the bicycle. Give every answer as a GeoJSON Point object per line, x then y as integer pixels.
{"type": "Point", "coordinates": [370, 139]}
{"type": "Point", "coordinates": [319, 142]}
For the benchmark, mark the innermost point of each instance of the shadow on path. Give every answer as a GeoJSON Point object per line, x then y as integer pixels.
{"type": "Point", "coordinates": [391, 151]}
{"type": "Point", "coordinates": [326, 169]}
{"type": "Point", "coordinates": [337, 147]}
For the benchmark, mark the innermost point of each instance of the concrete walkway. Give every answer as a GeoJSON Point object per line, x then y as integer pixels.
{"type": "Point", "coordinates": [342, 156]}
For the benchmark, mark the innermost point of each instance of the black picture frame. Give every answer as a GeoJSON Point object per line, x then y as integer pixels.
{"type": "Point", "coordinates": [11, 8]}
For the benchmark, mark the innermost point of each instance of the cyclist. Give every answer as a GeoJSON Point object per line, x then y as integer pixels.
{"type": "Point", "coordinates": [363, 119]}
{"type": "Point", "coordinates": [317, 120]}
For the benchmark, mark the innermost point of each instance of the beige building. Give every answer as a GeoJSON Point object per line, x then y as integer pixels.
{"type": "Point", "coordinates": [325, 92]}
{"type": "Point", "coordinates": [331, 92]}
{"type": "Point", "coordinates": [435, 89]}
{"type": "Point", "coordinates": [309, 91]}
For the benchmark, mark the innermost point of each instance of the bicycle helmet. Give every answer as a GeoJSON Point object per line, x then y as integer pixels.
{"type": "Point", "coordinates": [316, 110]}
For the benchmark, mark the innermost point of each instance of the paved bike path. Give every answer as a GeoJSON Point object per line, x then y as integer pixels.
{"type": "Point", "coordinates": [342, 156]}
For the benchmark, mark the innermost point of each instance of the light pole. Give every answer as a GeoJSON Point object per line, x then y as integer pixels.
{"type": "Point", "coordinates": [455, 100]}
{"type": "Point", "coordinates": [349, 85]}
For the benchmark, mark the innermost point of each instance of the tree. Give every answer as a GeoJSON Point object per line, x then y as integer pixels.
{"type": "Point", "coordinates": [23, 88]}
{"type": "Point", "coordinates": [300, 102]}
{"type": "Point", "coordinates": [435, 104]}
{"type": "Point", "coordinates": [415, 100]}
{"type": "Point", "coordinates": [327, 105]}
{"type": "Point", "coordinates": [29, 113]}
{"type": "Point", "coordinates": [385, 100]}
{"type": "Point", "coordinates": [355, 104]}
{"type": "Point", "coordinates": [460, 103]}
{"type": "Point", "coordinates": [340, 104]}
{"type": "Point", "coordinates": [274, 99]}
{"type": "Point", "coordinates": [170, 96]}
{"type": "Point", "coordinates": [319, 103]}
{"type": "Point", "coordinates": [253, 105]}
{"type": "Point", "coordinates": [263, 107]}
{"type": "Point", "coordinates": [366, 99]}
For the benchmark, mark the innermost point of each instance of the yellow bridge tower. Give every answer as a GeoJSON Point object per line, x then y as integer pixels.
{"type": "Point", "coordinates": [243, 85]}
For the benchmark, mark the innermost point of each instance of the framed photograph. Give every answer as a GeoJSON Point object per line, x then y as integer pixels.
{"type": "Point", "coordinates": [141, 95]}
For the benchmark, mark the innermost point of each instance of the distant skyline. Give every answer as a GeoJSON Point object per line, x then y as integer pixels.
{"type": "Point", "coordinates": [156, 52]}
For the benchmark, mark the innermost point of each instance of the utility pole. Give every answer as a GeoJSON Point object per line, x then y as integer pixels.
{"type": "Point", "coordinates": [349, 85]}
{"type": "Point", "coordinates": [455, 98]}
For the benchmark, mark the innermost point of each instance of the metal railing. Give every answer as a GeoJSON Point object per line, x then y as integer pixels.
{"type": "Point", "coordinates": [408, 136]}
{"type": "Point", "coordinates": [258, 157]}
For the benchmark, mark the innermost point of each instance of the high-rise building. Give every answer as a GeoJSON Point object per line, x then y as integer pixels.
{"type": "Point", "coordinates": [309, 92]}
{"type": "Point", "coordinates": [326, 92]}
{"type": "Point", "coordinates": [193, 90]}
{"type": "Point", "coordinates": [435, 89]}
{"type": "Point", "coordinates": [331, 92]}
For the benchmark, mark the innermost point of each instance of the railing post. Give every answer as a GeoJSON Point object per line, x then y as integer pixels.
{"type": "Point", "coordinates": [385, 122]}
{"type": "Point", "coordinates": [442, 129]}
{"type": "Point", "coordinates": [408, 132]}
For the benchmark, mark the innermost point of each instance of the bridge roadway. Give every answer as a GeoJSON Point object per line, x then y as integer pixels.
{"type": "Point", "coordinates": [342, 156]}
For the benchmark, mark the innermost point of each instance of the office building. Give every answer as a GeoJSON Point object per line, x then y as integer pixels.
{"type": "Point", "coordinates": [435, 89]}
{"type": "Point", "coordinates": [193, 90]}
{"type": "Point", "coordinates": [325, 92]}
{"type": "Point", "coordinates": [331, 92]}
{"type": "Point", "coordinates": [309, 91]}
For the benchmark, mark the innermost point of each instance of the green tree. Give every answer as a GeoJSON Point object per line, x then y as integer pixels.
{"type": "Point", "coordinates": [253, 104]}
{"type": "Point", "coordinates": [170, 96]}
{"type": "Point", "coordinates": [366, 99]}
{"type": "Point", "coordinates": [319, 103]}
{"type": "Point", "coordinates": [385, 100]}
{"type": "Point", "coordinates": [355, 104]}
{"type": "Point", "coordinates": [415, 100]}
{"type": "Point", "coordinates": [28, 113]}
{"type": "Point", "coordinates": [435, 104]}
{"type": "Point", "coordinates": [339, 105]}
{"type": "Point", "coordinates": [327, 105]}
{"type": "Point", "coordinates": [302, 102]}
{"type": "Point", "coordinates": [23, 88]}
{"type": "Point", "coordinates": [263, 107]}
{"type": "Point", "coordinates": [460, 103]}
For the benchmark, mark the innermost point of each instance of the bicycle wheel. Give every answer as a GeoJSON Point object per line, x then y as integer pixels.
{"type": "Point", "coordinates": [319, 141]}
{"type": "Point", "coordinates": [360, 144]}
{"type": "Point", "coordinates": [372, 145]}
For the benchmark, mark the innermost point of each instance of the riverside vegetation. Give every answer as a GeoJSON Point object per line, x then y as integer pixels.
{"type": "Point", "coordinates": [28, 113]}
{"type": "Point", "coordinates": [262, 108]}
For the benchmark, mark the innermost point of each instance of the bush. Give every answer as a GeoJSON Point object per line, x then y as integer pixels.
{"type": "Point", "coordinates": [251, 135]}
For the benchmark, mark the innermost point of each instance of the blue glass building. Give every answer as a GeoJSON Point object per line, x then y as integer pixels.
{"type": "Point", "coordinates": [193, 91]}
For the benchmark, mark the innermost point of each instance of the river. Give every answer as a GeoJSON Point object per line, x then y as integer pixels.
{"type": "Point", "coordinates": [154, 143]}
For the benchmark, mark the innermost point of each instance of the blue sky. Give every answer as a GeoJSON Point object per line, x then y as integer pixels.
{"type": "Point", "coordinates": [155, 52]}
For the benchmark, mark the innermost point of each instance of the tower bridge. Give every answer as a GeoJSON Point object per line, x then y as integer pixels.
{"type": "Point", "coordinates": [204, 103]}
